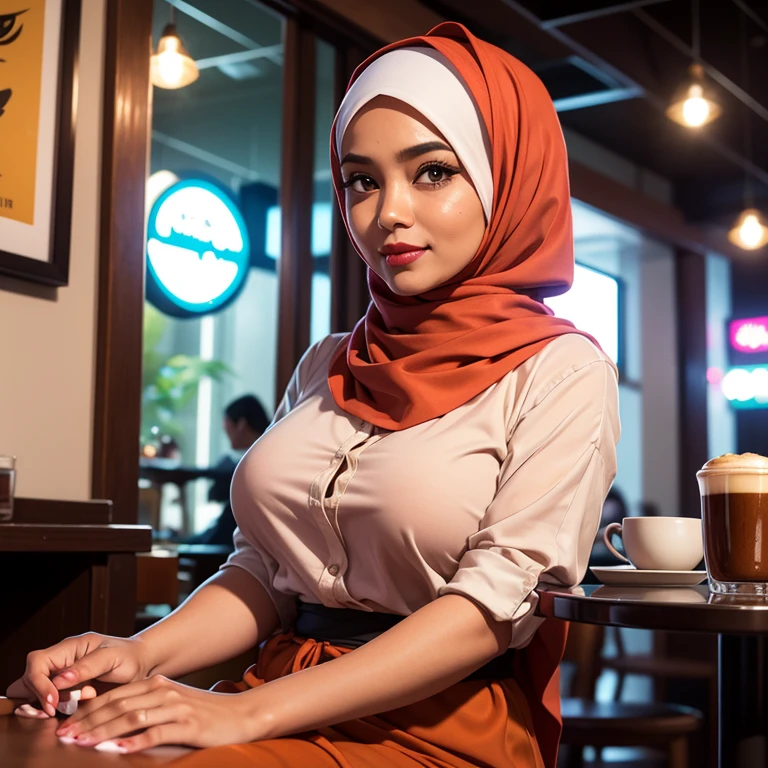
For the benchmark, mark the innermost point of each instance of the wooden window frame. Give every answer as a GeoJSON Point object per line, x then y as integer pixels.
{"type": "Point", "coordinates": [125, 163]}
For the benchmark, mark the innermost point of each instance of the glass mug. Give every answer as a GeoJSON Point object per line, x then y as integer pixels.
{"type": "Point", "coordinates": [7, 483]}
{"type": "Point", "coordinates": [734, 513]}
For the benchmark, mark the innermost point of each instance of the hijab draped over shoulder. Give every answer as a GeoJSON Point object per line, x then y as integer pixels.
{"type": "Point", "coordinates": [411, 359]}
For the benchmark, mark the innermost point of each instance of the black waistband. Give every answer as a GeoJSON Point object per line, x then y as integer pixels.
{"type": "Point", "coordinates": [351, 628]}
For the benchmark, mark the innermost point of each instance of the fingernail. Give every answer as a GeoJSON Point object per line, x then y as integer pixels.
{"type": "Point", "coordinates": [50, 710]}
{"type": "Point", "coordinates": [69, 674]}
{"type": "Point", "coordinates": [49, 698]}
{"type": "Point", "coordinates": [111, 746]}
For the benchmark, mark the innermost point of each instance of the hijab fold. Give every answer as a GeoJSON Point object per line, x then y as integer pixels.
{"type": "Point", "coordinates": [415, 358]}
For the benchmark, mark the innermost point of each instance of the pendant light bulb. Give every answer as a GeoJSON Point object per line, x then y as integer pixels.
{"type": "Point", "coordinates": [172, 66]}
{"type": "Point", "coordinates": [749, 232]}
{"type": "Point", "coordinates": [694, 106]}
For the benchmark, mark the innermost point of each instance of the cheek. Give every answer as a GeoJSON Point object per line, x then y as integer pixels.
{"type": "Point", "coordinates": [459, 220]}
{"type": "Point", "coordinates": [362, 226]}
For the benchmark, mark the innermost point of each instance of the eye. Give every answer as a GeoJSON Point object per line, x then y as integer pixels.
{"type": "Point", "coordinates": [435, 174]}
{"type": "Point", "coordinates": [9, 29]}
{"type": "Point", "coordinates": [359, 182]}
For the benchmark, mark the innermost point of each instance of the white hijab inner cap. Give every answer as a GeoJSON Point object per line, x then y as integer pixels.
{"type": "Point", "coordinates": [427, 81]}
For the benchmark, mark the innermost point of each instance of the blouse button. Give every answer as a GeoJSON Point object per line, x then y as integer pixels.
{"type": "Point", "coordinates": [333, 569]}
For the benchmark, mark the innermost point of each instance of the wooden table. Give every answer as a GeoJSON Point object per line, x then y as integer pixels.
{"type": "Point", "coordinates": [161, 472]}
{"type": "Point", "coordinates": [64, 570]}
{"type": "Point", "coordinates": [741, 624]}
{"type": "Point", "coordinates": [33, 744]}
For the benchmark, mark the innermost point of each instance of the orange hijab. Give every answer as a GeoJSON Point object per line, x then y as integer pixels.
{"type": "Point", "coordinates": [412, 359]}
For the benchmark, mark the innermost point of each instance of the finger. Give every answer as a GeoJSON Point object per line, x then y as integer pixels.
{"type": "Point", "coordinates": [27, 710]}
{"type": "Point", "coordinates": [8, 705]}
{"type": "Point", "coordinates": [169, 733]}
{"type": "Point", "coordinates": [133, 721]}
{"type": "Point", "coordinates": [19, 689]}
{"type": "Point", "coordinates": [36, 691]}
{"type": "Point", "coordinates": [123, 692]}
{"type": "Point", "coordinates": [98, 664]}
{"type": "Point", "coordinates": [117, 709]}
{"type": "Point", "coordinates": [42, 664]}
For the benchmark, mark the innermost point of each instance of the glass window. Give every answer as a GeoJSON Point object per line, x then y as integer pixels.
{"type": "Point", "coordinates": [323, 194]}
{"type": "Point", "coordinates": [224, 129]}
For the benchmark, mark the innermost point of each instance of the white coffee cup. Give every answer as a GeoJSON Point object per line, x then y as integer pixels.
{"type": "Point", "coordinates": [658, 543]}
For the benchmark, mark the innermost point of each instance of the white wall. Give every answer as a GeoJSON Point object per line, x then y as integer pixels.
{"type": "Point", "coordinates": [661, 410]}
{"type": "Point", "coordinates": [48, 350]}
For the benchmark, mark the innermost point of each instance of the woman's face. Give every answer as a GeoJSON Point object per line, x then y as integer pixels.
{"type": "Point", "coordinates": [411, 207]}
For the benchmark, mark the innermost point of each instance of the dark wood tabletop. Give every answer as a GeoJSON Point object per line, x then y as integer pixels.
{"type": "Point", "coordinates": [678, 609]}
{"type": "Point", "coordinates": [65, 537]}
{"type": "Point", "coordinates": [33, 744]}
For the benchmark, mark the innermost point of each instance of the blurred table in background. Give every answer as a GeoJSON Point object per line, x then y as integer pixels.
{"type": "Point", "coordinates": [741, 624]}
{"type": "Point", "coordinates": [160, 472]}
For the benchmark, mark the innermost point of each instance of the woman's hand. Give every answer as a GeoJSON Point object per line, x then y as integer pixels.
{"type": "Point", "coordinates": [78, 660]}
{"type": "Point", "coordinates": [165, 712]}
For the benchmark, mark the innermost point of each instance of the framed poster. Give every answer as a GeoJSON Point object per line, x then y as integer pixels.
{"type": "Point", "coordinates": [38, 106]}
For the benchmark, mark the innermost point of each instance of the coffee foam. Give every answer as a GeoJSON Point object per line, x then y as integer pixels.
{"type": "Point", "coordinates": [734, 473]}
{"type": "Point", "coordinates": [738, 461]}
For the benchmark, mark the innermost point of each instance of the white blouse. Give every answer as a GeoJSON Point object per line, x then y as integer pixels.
{"type": "Point", "coordinates": [486, 501]}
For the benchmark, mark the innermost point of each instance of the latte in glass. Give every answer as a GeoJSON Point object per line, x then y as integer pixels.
{"type": "Point", "coordinates": [734, 512]}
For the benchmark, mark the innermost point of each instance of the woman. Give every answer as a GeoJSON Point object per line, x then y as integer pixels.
{"type": "Point", "coordinates": [421, 476]}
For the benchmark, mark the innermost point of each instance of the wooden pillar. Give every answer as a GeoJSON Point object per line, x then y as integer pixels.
{"type": "Point", "coordinates": [117, 411]}
{"type": "Point", "coordinates": [297, 163]}
{"type": "Point", "coordinates": [690, 279]}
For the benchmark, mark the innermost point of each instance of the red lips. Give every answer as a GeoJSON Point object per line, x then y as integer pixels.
{"type": "Point", "coordinates": [400, 254]}
{"type": "Point", "coordinates": [395, 248]}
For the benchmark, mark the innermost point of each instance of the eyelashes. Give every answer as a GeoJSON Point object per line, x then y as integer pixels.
{"type": "Point", "coordinates": [446, 169]}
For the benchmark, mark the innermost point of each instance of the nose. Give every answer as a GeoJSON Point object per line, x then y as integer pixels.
{"type": "Point", "coordinates": [395, 206]}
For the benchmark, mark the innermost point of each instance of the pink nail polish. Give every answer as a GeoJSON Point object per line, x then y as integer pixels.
{"type": "Point", "coordinates": [69, 674]}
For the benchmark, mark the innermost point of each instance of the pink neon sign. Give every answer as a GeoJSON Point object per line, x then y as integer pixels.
{"type": "Point", "coordinates": [750, 335]}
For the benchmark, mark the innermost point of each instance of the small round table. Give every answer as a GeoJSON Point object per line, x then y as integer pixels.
{"type": "Point", "coordinates": [742, 626]}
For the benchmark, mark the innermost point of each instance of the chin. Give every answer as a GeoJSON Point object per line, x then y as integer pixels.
{"type": "Point", "coordinates": [408, 284]}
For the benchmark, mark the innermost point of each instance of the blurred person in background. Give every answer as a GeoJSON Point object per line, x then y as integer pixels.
{"type": "Point", "coordinates": [245, 421]}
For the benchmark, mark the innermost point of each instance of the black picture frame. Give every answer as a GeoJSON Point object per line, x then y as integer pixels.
{"type": "Point", "coordinates": [55, 271]}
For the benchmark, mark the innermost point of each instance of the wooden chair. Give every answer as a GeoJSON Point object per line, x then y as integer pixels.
{"type": "Point", "coordinates": [616, 724]}
{"type": "Point", "coordinates": [665, 663]}
{"type": "Point", "coordinates": [157, 583]}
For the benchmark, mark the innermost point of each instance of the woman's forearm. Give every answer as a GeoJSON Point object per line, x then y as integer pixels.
{"type": "Point", "coordinates": [427, 652]}
{"type": "Point", "coordinates": [225, 616]}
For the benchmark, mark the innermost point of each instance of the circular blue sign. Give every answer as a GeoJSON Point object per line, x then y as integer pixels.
{"type": "Point", "coordinates": [198, 252]}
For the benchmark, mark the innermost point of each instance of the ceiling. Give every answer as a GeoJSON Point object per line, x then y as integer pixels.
{"type": "Point", "coordinates": [612, 68]}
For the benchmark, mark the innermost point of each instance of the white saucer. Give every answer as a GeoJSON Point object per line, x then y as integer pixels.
{"type": "Point", "coordinates": [629, 576]}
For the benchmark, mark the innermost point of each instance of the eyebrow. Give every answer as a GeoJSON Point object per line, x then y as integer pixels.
{"type": "Point", "coordinates": [404, 154]}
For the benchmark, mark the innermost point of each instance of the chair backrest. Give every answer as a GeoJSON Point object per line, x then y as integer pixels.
{"type": "Point", "coordinates": [585, 643]}
{"type": "Point", "coordinates": [157, 578]}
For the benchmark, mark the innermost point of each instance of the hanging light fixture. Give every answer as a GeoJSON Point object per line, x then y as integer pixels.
{"type": "Point", "coordinates": [750, 231]}
{"type": "Point", "coordinates": [693, 104]}
{"type": "Point", "coordinates": [172, 66]}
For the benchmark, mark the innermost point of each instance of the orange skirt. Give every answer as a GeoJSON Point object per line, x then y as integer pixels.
{"type": "Point", "coordinates": [474, 723]}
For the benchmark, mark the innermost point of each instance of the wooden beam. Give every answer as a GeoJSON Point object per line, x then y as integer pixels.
{"type": "Point", "coordinates": [650, 216]}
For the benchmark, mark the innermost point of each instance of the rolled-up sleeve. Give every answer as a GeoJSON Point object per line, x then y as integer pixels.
{"type": "Point", "coordinates": [542, 521]}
